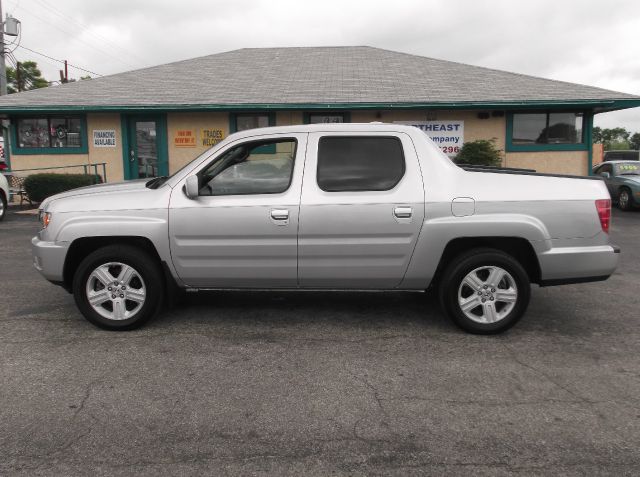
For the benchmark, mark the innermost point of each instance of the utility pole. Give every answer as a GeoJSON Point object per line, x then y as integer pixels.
{"type": "Point", "coordinates": [3, 68]}
{"type": "Point", "coordinates": [18, 76]}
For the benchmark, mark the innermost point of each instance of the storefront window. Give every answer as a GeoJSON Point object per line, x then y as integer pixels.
{"type": "Point", "coordinates": [54, 132]}
{"type": "Point", "coordinates": [547, 128]}
{"type": "Point", "coordinates": [251, 121]}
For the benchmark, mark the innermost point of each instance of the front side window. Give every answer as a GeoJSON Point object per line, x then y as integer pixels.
{"type": "Point", "coordinates": [49, 132]}
{"type": "Point", "coordinates": [359, 163]}
{"type": "Point", "coordinates": [547, 128]}
{"type": "Point", "coordinates": [247, 169]}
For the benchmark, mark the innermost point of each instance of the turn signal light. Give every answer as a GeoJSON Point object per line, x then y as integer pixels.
{"type": "Point", "coordinates": [46, 218]}
{"type": "Point", "coordinates": [603, 206]}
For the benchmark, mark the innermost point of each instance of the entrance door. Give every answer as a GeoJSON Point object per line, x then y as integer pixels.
{"type": "Point", "coordinates": [147, 138]}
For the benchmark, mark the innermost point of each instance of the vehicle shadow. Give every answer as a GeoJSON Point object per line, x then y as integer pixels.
{"type": "Point", "coordinates": [283, 308]}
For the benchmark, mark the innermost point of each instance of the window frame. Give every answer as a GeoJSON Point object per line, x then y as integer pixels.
{"type": "Point", "coordinates": [306, 116]}
{"type": "Point", "coordinates": [271, 121]}
{"type": "Point", "coordinates": [15, 144]}
{"type": "Point", "coordinates": [578, 146]}
{"type": "Point", "coordinates": [275, 141]}
{"type": "Point", "coordinates": [386, 136]}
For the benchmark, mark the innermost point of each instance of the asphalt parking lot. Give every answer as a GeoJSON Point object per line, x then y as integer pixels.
{"type": "Point", "coordinates": [256, 383]}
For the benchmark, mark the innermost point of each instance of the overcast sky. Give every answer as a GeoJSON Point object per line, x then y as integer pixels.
{"type": "Point", "coordinates": [590, 42]}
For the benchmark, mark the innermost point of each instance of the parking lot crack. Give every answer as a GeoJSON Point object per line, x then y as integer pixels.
{"type": "Point", "coordinates": [546, 376]}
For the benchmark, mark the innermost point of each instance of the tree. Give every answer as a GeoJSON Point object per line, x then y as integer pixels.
{"type": "Point", "coordinates": [610, 137]}
{"type": "Point", "coordinates": [480, 153]}
{"type": "Point", "coordinates": [29, 77]}
{"type": "Point", "coordinates": [634, 141]}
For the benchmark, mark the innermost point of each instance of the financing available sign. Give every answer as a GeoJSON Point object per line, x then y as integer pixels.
{"type": "Point", "coordinates": [448, 135]}
{"type": "Point", "coordinates": [104, 138]}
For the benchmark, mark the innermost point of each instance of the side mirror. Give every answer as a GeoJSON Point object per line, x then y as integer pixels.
{"type": "Point", "coordinates": [191, 187]}
{"type": "Point", "coordinates": [606, 175]}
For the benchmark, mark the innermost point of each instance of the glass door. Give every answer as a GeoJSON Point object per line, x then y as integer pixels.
{"type": "Point", "coordinates": [147, 147]}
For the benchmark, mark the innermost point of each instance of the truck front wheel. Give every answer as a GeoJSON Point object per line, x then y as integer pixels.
{"type": "Point", "coordinates": [118, 287]}
{"type": "Point", "coordinates": [484, 291]}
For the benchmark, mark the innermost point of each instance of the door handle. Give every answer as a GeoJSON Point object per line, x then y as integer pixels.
{"type": "Point", "coordinates": [279, 214]}
{"type": "Point", "coordinates": [132, 154]}
{"type": "Point", "coordinates": [403, 212]}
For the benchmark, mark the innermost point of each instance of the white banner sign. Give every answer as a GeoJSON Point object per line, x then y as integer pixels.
{"type": "Point", "coordinates": [104, 138]}
{"type": "Point", "coordinates": [449, 135]}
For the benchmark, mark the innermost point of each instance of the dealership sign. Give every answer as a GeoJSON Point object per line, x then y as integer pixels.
{"type": "Point", "coordinates": [104, 138]}
{"type": "Point", "coordinates": [448, 135]}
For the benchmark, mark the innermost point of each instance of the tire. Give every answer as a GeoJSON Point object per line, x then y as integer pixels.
{"type": "Point", "coordinates": [114, 307]}
{"type": "Point", "coordinates": [625, 200]}
{"type": "Point", "coordinates": [500, 303]}
{"type": "Point", "coordinates": [3, 206]}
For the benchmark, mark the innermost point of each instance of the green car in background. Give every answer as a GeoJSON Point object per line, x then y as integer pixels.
{"type": "Point", "coordinates": [623, 181]}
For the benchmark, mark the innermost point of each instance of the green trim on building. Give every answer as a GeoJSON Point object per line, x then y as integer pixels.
{"type": "Point", "coordinates": [601, 105]}
{"type": "Point", "coordinates": [510, 147]}
{"type": "Point", "coordinates": [31, 151]}
{"type": "Point", "coordinates": [588, 139]}
{"type": "Point", "coordinates": [124, 134]}
{"type": "Point", "coordinates": [6, 133]}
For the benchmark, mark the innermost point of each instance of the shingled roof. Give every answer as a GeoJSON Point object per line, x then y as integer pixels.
{"type": "Point", "coordinates": [355, 76]}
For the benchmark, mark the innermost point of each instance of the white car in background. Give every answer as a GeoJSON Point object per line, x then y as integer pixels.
{"type": "Point", "coordinates": [4, 196]}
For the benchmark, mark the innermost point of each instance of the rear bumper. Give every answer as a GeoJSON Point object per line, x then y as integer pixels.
{"type": "Point", "coordinates": [564, 265]}
{"type": "Point", "coordinates": [48, 258]}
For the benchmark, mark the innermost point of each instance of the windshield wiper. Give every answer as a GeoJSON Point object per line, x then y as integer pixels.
{"type": "Point", "coordinates": [156, 182]}
{"type": "Point", "coordinates": [630, 174]}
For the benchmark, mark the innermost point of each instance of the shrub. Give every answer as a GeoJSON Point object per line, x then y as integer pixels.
{"type": "Point", "coordinates": [41, 186]}
{"type": "Point", "coordinates": [480, 153]}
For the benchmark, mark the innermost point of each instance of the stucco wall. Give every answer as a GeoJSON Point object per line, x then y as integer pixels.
{"type": "Point", "coordinates": [111, 155]}
{"type": "Point", "coordinates": [179, 156]}
{"type": "Point", "coordinates": [558, 162]}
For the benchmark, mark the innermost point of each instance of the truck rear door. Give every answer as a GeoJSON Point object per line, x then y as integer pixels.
{"type": "Point", "coordinates": [362, 208]}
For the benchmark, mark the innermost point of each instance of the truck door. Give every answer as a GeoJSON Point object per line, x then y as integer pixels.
{"type": "Point", "coordinates": [241, 230]}
{"type": "Point", "coordinates": [361, 210]}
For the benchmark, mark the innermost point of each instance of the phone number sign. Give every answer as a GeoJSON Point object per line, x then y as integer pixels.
{"type": "Point", "coordinates": [448, 135]}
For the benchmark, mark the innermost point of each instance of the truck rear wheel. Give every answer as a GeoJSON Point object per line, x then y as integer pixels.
{"type": "Point", "coordinates": [485, 291]}
{"type": "Point", "coordinates": [118, 287]}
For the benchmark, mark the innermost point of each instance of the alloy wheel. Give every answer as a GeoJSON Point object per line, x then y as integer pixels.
{"type": "Point", "coordinates": [487, 294]}
{"type": "Point", "coordinates": [116, 291]}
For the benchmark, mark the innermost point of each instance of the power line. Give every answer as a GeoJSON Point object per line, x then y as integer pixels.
{"type": "Point", "coordinates": [59, 61]}
{"type": "Point", "coordinates": [87, 29]}
{"type": "Point", "coordinates": [75, 38]}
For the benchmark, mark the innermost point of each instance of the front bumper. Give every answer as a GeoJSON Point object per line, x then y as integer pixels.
{"type": "Point", "coordinates": [563, 265]}
{"type": "Point", "coordinates": [48, 258]}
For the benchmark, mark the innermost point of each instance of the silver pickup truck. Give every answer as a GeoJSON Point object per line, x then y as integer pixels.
{"type": "Point", "coordinates": [352, 206]}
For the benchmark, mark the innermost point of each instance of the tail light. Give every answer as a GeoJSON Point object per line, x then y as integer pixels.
{"type": "Point", "coordinates": [603, 206]}
{"type": "Point", "coordinates": [3, 166]}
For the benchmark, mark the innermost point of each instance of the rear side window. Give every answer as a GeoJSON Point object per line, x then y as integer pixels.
{"type": "Point", "coordinates": [359, 163]}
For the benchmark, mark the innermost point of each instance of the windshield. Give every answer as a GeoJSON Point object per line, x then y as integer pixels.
{"type": "Point", "coordinates": [628, 169]}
